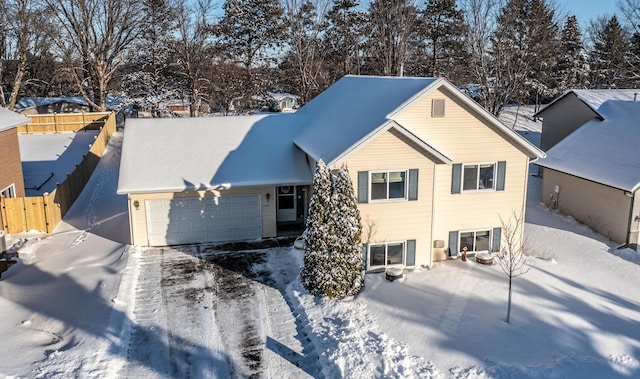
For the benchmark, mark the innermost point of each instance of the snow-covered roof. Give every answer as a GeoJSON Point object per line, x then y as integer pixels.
{"type": "Point", "coordinates": [210, 153]}
{"type": "Point", "coordinates": [594, 98]}
{"type": "Point", "coordinates": [9, 119]}
{"type": "Point", "coordinates": [355, 108]}
{"type": "Point", "coordinates": [112, 102]}
{"type": "Point", "coordinates": [603, 151]}
{"type": "Point", "coordinates": [281, 95]}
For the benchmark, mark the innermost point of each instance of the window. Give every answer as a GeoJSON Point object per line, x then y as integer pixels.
{"type": "Point", "coordinates": [9, 191]}
{"type": "Point", "coordinates": [388, 185]}
{"type": "Point", "coordinates": [478, 240]}
{"type": "Point", "coordinates": [386, 254]}
{"type": "Point", "coordinates": [478, 177]}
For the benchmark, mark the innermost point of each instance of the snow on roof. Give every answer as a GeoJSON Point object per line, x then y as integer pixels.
{"type": "Point", "coordinates": [594, 98]}
{"type": "Point", "coordinates": [210, 153]}
{"type": "Point", "coordinates": [602, 151]}
{"type": "Point", "coordinates": [112, 102]}
{"type": "Point", "coordinates": [351, 109]}
{"type": "Point", "coordinates": [356, 107]}
{"type": "Point", "coordinates": [9, 119]}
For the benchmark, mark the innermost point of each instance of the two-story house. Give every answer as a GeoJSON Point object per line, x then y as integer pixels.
{"type": "Point", "coordinates": [433, 171]}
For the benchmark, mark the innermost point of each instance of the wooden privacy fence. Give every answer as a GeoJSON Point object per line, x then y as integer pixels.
{"type": "Point", "coordinates": [44, 212]}
{"type": "Point", "coordinates": [64, 122]}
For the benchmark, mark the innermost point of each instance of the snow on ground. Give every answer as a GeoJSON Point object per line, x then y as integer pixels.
{"type": "Point", "coordinates": [82, 303]}
{"type": "Point", "coordinates": [44, 154]}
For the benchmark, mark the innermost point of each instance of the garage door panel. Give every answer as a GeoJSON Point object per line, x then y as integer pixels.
{"type": "Point", "coordinates": [209, 219]}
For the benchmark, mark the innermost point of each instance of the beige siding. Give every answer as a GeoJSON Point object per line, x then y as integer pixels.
{"type": "Point", "coordinates": [565, 116]}
{"type": "Point", "coordinates": [605, 209]}
{"type": "Point", "coordinates": [465, 137]}
{"type": "Point", "coordinates": [138, 216]}
{"type": "Point", "coordinates": [399, 220]}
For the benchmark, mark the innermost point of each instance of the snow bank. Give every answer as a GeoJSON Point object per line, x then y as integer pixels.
{"type": "Point", "coordinates": [348, 341]}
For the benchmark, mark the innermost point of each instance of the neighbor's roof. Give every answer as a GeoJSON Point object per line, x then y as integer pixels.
{"type": "Point", "coordinates": [356, 108]}
{"type": "Point", "coordinates": [211, 152]}
{"type": "Point", "coordinates": [594, 98]}
{"type": "Point", "coordinates": [112, 102]}
{"type": "Point", "coordinates": [9, 119]}
{"type": "Point", "coordinates": [603, 151]}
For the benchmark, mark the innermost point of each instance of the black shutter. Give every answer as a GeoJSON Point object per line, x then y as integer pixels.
{"type": "Point", "coordinates": [411, 253]}
{"type": "Point", "coordinates": [413, 184]}
{"type": "Point", "coordinates": [363, 186]}
{"type": "Point", "coordinates": [456, 182]}
{"type": "Point", "coordinates": [453, 243]}
{"type": "Point", "coordinates": [497, 236]}
{"type": "Point", "coordinates": [364, 256]}
{"type": "Point", "coordinates": [500, 174]}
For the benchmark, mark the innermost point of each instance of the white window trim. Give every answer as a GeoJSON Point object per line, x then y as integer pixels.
{"type": "Point", "coordinates": [478, 164]}
{"type": "Point", "coordinates": [388, 200]}
{"type": "Point", "coordinates": [490, 230]}
{"type": "Point", "coordinates": [386, 244]}
{"type": "Point", "coordinates": [12, 187]}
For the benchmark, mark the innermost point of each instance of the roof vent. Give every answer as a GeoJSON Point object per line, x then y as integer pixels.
{"type": "Point", "coordinates": [635, 96]}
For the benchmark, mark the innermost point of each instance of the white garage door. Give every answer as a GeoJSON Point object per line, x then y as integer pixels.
{"type": "Point", "coordinates": [203, 219]}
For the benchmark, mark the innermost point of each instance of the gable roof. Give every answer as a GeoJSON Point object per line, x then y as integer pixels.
{"type": "Point", "coordinates": [9, 119]}
{"type": "Point", "coordinates": [355, 108]}
{"type": "Point", "coordinates": [211, 152]}
{"type": "Point", "coordinates": [602, 151]}
{"type": "Point", "coordinates": [594, 98]}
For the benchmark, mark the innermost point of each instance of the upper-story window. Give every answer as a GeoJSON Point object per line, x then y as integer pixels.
{"type": "Point", "coordinates": [388, 185]}
{"type": "Point", "coordinates": [475, 177]}
{"type": "Point", "coordinates": [478, 176]}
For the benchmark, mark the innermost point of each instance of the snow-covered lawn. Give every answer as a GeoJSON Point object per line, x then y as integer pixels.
{"type": "Point", "coordinates": [82, 303]}
{"type": "Point", "coordinates": [44, 154]}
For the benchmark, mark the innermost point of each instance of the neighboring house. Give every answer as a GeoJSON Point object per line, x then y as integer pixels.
{"type": "Point", "coordinates": [433, 171]}
{"type": "Point", "coordinates": [594, 173]}
{"type": "Point", "coordinates": [11, 177]}
{"type": "Point", "coordinates": [573, 108]}
{"type": "Point", "coordinates": [283, 102]}
{"type": "Point", "coordinates": [68, 104]}
{"type": "Point", "coordinates": [169, 108]}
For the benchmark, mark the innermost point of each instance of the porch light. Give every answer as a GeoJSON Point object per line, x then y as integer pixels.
{"type": "Point", "coordinates": [136, 204]}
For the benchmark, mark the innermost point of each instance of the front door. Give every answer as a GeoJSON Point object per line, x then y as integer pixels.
{"type": "Point", "coordinates": [286, 203]}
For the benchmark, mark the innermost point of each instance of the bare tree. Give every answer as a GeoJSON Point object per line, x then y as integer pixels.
{"type": "Point", "coordinates": [303, 64]}
{"type": "Point", "coordinates": [95, 36]}
{"type": "Point", "coordinates": [393, 24]}
{"type": "Point", "coordinates": [193, 48]}
{"type": "Point", "coordinates": [515, 256]}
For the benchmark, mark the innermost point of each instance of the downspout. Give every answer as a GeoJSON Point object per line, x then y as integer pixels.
{"type": "Point", "coordinates": [632, 220]}
{"type": "Point", "coordinates": [433, 212]}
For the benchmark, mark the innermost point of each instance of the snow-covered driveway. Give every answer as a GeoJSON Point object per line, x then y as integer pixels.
{"type": "Point", "coordinates": [202, 312]}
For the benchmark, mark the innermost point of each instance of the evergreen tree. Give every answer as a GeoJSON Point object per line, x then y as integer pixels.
{"type": "Point", "coordinates": [443, 27]}
{"type": "Point", "coordinates": [522, 54]}
{"type": "Point", "coordinates": [345, 244]}
{"type": "Point", "coordinates": [248, 29]}
{"type": "Point", "coordinates": [344, 39]}
{"type": "Point", "coordinates": [333, 259]}
{"type": "Point", "coordinates": [573, 66]}
{"type": "Point", "coordinates": [316, 271]}
{"type": "Point", "coordinates": [611, 56]}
